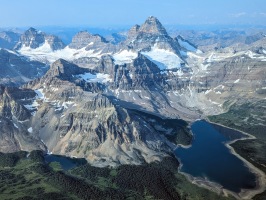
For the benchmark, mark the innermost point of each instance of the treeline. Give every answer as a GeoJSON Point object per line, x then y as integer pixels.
{"type": "Point", "coordinates": [30, 180]}
{"type": "Point", "coordinates": [156, 180]}
{"type": "Point", "coordinates": [81, 189]}
{"type": "Point", "coordinates": [10, 159]}
{"type": "Point", "coordinates": [26, 176]}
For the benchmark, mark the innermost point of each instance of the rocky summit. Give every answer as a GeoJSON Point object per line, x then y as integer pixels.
{"type": "Point", "coordinates": [152, 26]}
{"type": "Point", "coordinates": [34, 39]}
{"type": "Point", "coordinates": [150, 34]}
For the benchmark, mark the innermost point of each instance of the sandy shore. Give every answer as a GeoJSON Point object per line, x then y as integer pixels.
{"type": "Point", "coordinates": [184, 146]}
{"type": "Point", "coordinates": [215, 187]}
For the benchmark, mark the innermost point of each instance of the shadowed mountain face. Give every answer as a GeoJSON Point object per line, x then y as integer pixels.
{"type": "Point", "coordinates": [16, 69]}
{"type": "Point", "coordinates": [15, 120]}
{"type": "Point", "coordinates": [8, 39]}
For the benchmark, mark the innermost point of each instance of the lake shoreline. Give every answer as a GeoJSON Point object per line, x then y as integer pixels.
{"type": "Point", "coordinates": [215, 187]}
{"type": "Point", "coordinates": [261, 177]}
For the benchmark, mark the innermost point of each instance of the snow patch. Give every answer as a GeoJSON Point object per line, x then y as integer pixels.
{"type": "Point", "coordinates": [213, 102]}
{"type": "Point", "coordinates": [124, 56]}
{"type": "Point", "coordinates": [178, 73]}
{"type": "Point", "coordinates": [67, 103]}
{"type": "Point", "coordinates": [45, 53]}
{"type": "Point", "coordinates": [15, 125]}
{"type": "Point", "coordinates": [33, 107]}
{"type": "Point", "coordinates": [250, 54]}
{"type": "Point", "coordinates": [188, 46]}
{"type": "Point", "coordinates": [40, 94]}
{"type": "Point", "coordinates": [211, 58]}
{"type": "Point", "coordinates": [236, 81]}
{"type": "Point", "coordinates": [30, 130]}
{"type": "Point", "coordinates": [204, 67]}
{"type": "Point", "coordinates": [164, 59]}
{"type": "Point", "coordinates": [207, 91]}
{"type": "Point", "coordinates": [98, 77]}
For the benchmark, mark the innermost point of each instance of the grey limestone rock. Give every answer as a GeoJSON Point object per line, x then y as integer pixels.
{"type": "Point", "coordinates": [33, 38]}
{"type": "Point", "coordinates": [14, 121]}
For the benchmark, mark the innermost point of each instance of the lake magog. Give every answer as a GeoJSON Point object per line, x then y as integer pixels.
{"type": "Point", "coordinates": [208, 157]}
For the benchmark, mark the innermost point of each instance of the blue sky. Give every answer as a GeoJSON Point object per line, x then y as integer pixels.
{"type": "Point", "coordinates": [102, 13]}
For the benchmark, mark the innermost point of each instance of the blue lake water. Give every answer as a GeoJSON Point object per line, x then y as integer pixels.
{"type": "Point", "coordinates": [65, 162]}
{"type": "Point", "coordinates": [208, 157]}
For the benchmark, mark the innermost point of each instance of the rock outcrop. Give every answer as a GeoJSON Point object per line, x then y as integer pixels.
{"type": "Point", "coordinates": [34, 39]}
{"type": "Point", "coordinates": [90, 42]}
{"type": "Point", "coordinates": [15, 119]}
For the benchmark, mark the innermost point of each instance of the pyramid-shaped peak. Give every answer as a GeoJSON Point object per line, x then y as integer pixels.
{"type": "Point", "coordinates": [133, 31]}
{"type": "Point", "coordinates": [31, 30]}
{"type": "Point", "coordinates": [153, 25]}
{"type": "Point", "coordinates": [135, 28]}
{"type": "Point", "coordinates": [152, 18]}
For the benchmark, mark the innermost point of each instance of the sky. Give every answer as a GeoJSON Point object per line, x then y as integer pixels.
{"type": "Point", "coordinates": [108, 13]}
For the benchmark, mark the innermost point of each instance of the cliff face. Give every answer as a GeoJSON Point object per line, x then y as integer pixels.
{"type": "Point", "coordinates": [77, 118]}
{"type": "Point", "coordinates": [15, 119]}
{"type": "Point", "coordinates": [103, 133]}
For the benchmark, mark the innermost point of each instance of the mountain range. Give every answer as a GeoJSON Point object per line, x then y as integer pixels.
{"type": "Point", "coordinates": [94, 89]}
{"type": "Point", "coordinates": [112, 101]}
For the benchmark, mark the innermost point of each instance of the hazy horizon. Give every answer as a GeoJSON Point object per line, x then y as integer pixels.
{"type": "Point", "coordinates": [124, 13]}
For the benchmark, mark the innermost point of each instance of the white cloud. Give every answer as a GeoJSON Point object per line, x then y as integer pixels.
{"type": "Point", "coordinates": [237, 15]}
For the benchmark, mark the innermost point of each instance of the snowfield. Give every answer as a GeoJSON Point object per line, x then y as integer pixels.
{"type": "Point", "coordinates": [98, 77]}
{"type": "Point", "coordinates": [164, 59]}
{"type": "Point", "coordinates": [45, 53]}
{"type": "Point", "coordinates": [124, 56]}
{"type": "Point", "coordinates": [188, 46]}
